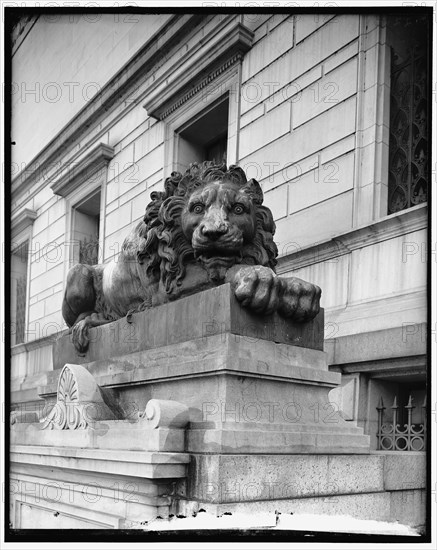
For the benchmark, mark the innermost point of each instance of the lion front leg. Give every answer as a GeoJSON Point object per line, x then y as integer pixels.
{"type": "Point", "coordinates": [80, 329]}
{"type": "Point", "coordinates": [260, 289]}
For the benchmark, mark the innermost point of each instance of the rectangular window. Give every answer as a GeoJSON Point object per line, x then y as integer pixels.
{"type": "Point", "coordinates": [19, 266]}
{"type": "Point", "coordinates": [205, 136]}
{"type": "Point", "coordinates": [86, 227]}
{"type": "Point", "coordinates": [409, 113]}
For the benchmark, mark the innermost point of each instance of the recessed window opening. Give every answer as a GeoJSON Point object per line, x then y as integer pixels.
{"type": "Point", "coordinates": [86, 227]}
{"type": "Point", "coordinates": [205, 137]}
{"type": "Point", "coordinates": [19, 265]}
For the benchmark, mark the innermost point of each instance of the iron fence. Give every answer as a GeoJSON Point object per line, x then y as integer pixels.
{"type": "Point", "coordinates": [393, 437]}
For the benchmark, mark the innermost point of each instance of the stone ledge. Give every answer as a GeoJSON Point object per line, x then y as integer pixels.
{"type": "Point", "coordinates": [388, 227]}
{"type": "Point", "coordinates": [130, 463]}
{"type": "Point", "coordinates": [386, 345]}
{"type": "Point", "coordinates": [119, 435]}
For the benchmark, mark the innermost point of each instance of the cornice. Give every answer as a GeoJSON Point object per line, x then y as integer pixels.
{"type": "Point", "coordinates": [196, 69]}
{"type": "Point", "coordinates": [23, 219]}
{"type": "Point", "coordinates": [392, 226]}
{"type": "Point", "coordinates": [197, 87]}
{"type": "Point", "coordinates": [150, 56]}
{"type": "Point", "coordinates": [96, 159]}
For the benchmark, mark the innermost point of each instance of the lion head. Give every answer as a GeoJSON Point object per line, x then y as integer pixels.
{"type": "Point", "coordinates": [211, 215]}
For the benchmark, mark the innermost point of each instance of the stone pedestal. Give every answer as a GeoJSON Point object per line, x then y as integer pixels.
{"type": "Point", "coordinates": [192, 403]}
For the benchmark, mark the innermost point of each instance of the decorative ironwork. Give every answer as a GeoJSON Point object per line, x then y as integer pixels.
{"type": "Point", "coordinates": [20, 320]}
{"type": "Point", "coordinates": [89, 251]}
{"type": "Point", "coordinates": [391, 437]}
{"type": "Point", "coordinates": [409, 115]}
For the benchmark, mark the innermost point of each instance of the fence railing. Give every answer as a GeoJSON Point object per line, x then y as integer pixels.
{"type": "Point", "coordinates": [393, 437]}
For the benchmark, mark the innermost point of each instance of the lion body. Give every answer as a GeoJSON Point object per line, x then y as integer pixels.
{"type": "Point", "coordinates": [203, 230]}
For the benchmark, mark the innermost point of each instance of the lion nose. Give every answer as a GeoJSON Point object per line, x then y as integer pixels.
{"type": "Point", "coordinates": [214, 231]}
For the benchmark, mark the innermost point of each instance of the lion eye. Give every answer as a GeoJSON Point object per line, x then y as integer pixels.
{"type": "Point", "coordinates": [197, 208]}
{"type": "Point", "coordinates": [238, 209]}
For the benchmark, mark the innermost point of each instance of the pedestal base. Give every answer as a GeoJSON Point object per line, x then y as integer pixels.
{"type": "Point", "coordinates": [203, 393]}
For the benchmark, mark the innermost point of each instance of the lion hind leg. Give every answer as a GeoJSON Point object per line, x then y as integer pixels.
{"type": "Point", "coordinates": [80, 295]}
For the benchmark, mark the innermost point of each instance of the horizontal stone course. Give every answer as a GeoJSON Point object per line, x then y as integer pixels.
{"type": "Point", "coordinates": [223, 478]}
{"type": "Point", "coordinates": [132, 463]}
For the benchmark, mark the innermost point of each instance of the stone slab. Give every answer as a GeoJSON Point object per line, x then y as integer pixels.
{"type": "Point", "coordinates": [150, 465]}
{"type": "Point", "coordinates": [225, 478]}
{"type": "Point", "coordinates": [119, 435]}
{"type": "Point", "coordinates": [214, 311]}
{"type": "Point", "coordinates": [236, 478]}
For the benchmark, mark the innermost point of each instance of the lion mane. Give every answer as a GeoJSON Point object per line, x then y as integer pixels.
{"type": "Point", "coordinates": [163, 247]}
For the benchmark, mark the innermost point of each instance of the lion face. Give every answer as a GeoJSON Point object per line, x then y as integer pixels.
{"type": "Point", "coordinates": [218, 220]}
{"type": "Point", "coordinates": [210, 215]}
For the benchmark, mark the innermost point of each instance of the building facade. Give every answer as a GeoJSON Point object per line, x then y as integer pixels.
{"type": "Point", "coordinates": [328, 112]}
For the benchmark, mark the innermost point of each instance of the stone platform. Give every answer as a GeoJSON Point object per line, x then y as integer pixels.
{"type": "Point", "coordinates": [205, 405]}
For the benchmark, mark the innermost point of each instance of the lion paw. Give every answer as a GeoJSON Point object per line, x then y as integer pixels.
{"type": "Point", "coordinates": [300, 300]}
{"type": "Point", "coordinates": [260, 289]}
{"type": "Point", "coordinates": [80, 336]}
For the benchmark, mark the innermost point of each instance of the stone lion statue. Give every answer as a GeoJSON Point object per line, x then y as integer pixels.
{"type": "Point", "coordinates": [206, 228]}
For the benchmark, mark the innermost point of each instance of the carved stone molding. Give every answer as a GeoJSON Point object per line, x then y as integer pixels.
{"type": "Point", "coordinates": [202, 84]}
{"type": "Point", "coordinates": [22, 220]}
{"type": "Point", "coordinates": [71, 178]}
{"type": "Point", "coordinates": [79, 401]}
{"type": "Point", "coordinates": [195, 70]}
